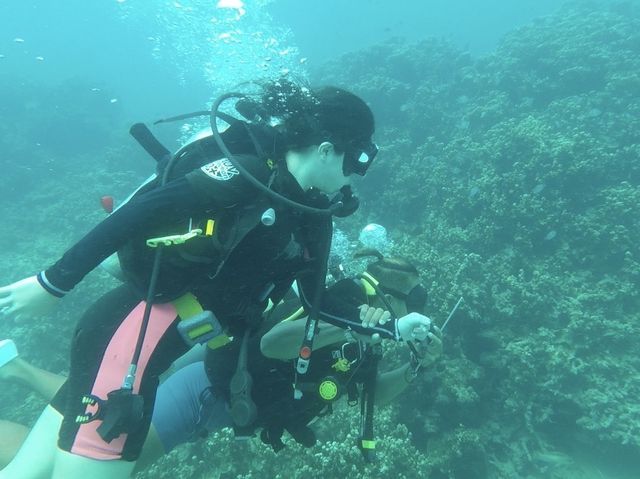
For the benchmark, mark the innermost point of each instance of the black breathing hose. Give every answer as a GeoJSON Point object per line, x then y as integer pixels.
{"type": "Point", "coordinates": [249, 177]}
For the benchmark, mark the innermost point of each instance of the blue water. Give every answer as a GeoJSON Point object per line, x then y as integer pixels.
{"type": "Point", "coordinates": [157, 56]}
{"type": "Point", "coordinates": [534, 155]}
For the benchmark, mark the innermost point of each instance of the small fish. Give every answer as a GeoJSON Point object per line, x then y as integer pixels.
{"type": "Point", "coordinates": [538, 188]}
{"type": "Point", "coordinates": [550, 235]}
{"type": "Point", "coordinates": [18, 40]}
{"type": "Point", "coordinates": [113, 100]}
{"type": "Point", "coordinates": [473, 191]}
{"type": "Point", "coordinates": [462, 124]}
{"type": "Point", "coordinates": [40, 59]}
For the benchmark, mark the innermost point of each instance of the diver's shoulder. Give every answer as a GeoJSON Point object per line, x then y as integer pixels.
{"type": "Point", "coordinates": [225, 177]}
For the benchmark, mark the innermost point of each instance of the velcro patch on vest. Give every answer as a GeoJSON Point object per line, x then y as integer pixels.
{"type": "Point", "coordinates": [221, 170]}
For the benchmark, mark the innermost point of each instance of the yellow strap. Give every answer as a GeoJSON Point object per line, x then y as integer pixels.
{"type": "Point", "coordinates": [296, 315]}
{"type": "Point", "coordinates": [219, 341]}
{"type": "Point", "coordinates": [188, 306]}
{"type": "Point", "coordinates": [367, 284]}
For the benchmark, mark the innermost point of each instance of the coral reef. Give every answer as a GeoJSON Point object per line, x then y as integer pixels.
{"type": "Point", "coordinates": [512, 181]}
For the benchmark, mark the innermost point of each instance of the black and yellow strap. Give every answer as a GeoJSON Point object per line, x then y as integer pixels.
{"type": "Point", "coordinates": [369, 283]}
{"type": "Point", "coordinates": [295, 315]}
{"type": "Point", "coordinates": [197, 325]}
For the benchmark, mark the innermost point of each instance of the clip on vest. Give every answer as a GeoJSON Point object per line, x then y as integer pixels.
{"type": "Point", "coordinates": [200, 329]}
{"type": "Point", "coordinates": [173, 240]}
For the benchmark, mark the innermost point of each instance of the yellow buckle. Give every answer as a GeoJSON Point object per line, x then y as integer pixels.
{"type": "Point", "coordinates": [188, 306]}
{"type": "Point", "coordinates": [342, 365]}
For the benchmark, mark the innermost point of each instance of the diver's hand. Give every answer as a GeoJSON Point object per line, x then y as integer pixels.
{"type": "Point", "coordinates": [414, 326]}
{"type": "Point", "coordinates": [25, 297]}
{"type": "Point", "coordinates": [431, 349]}
{"type": "Point", "coordinates": [371, 316]}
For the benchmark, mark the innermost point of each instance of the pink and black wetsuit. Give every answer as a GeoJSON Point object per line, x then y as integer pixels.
{"type": "Point", "coordinates": [262, 258]}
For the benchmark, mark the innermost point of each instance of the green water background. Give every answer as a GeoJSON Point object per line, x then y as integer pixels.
{"type": "Point", "coordinates": [509, 175]}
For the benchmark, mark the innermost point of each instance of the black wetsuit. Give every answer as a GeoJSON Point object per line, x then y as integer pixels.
{"type": "Point", "coordinates": [234, 284]}
{"type": "Point", "coordinates": [273, 379]}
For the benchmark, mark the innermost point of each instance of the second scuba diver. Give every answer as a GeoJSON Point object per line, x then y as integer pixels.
{"type": "Point", "coordinates": [193, 401]}
{"type": "Point", "coordinates": [229, 257]}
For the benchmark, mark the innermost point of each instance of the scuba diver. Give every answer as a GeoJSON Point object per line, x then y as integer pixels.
{"type": "Point", "coordinates": [229, 224]}
{"type": "Point", "coordinates": [193, 401]}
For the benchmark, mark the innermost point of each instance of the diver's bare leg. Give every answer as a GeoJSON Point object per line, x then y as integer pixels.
{"type": "Point", "coordinates": [35, 458]}
{"type": "Point", "coordinates": [45, 383]}
{"type": "Point", "coordinates": [69, 465]}
{"type": "Point", "coordinates": [12, 435]}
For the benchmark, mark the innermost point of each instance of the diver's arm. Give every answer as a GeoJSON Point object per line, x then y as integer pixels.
{"type": "Point", "coordinates": [392, 383]}
{"type": "Point", "coordinates": [344, 314]}
{"type": "Point", "coordinates": [43, 382]}
{"type": "Point", "coordinates": [208, 189]}
{"type": "Point", "coordinates": [164, 205]}
{"type": "Point", "coordinates": [283, 340]}
{"type": "Point", "coordinates": [37, 295]}
{"type": "Point", "coordinates": [334, 307]}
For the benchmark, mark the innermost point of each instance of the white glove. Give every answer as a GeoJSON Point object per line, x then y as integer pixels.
{"type": "Point", "coordinates": [414, 327]}
{"type": "Point", "coordinates": [25, 297]}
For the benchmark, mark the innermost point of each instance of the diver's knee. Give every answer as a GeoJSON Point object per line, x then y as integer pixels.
{"type": "Point", "coordinates": [12, 436]}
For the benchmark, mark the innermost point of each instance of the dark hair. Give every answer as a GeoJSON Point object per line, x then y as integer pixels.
{"type": "Point", "coordinates": [310, 116]}
{"type": "Point", "coordinates": [393, 273]}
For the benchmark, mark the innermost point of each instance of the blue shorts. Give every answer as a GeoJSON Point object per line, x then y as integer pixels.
{"type": "Point", "coordinates": [187, 407]}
